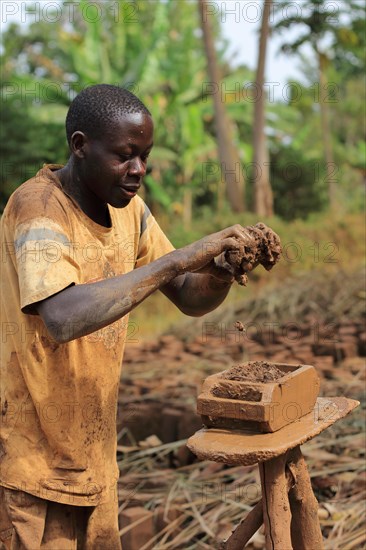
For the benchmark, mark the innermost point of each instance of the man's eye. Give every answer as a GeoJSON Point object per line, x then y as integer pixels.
{"type": "Point", "coordinates": [124, 158]}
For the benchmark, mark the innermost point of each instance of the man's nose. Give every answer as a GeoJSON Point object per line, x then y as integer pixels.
{"type": "Point", "coordinates": [137, 167]}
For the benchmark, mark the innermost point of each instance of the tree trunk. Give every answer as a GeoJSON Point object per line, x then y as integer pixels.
{"type": "Point", "coordinates": [187, 208]}
{"type": "Point", "coordinates": [231, 169]}
{"type": "Point", "coordinates": [263, 196]}
{"type": "Point", "coordinates": [325, 128]}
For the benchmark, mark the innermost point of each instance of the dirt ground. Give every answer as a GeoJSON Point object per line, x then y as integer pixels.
{"type": "Point", "coordinates": [180, 502]}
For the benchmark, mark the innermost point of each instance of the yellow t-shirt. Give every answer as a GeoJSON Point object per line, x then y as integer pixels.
{"type": "Point", "coordinates": [59, 401]}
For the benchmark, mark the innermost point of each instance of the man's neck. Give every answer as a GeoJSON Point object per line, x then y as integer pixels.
{"type": "Point", "coordinates": [74, 187]}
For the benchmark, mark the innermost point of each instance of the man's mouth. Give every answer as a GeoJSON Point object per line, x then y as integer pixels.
{"type": "Point", "coordinates": [129, 190]}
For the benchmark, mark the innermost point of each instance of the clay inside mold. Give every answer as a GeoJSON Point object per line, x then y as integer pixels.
{"type": "Point", "coordinates": [255, 371]}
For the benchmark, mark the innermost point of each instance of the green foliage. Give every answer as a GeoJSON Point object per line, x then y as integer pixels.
{"type": "Point", "coordinates": [298, 183]}
{"type": "Point", "coordinates": [155, 49]}
{"type": "Point", "coordinates": [27, 143]}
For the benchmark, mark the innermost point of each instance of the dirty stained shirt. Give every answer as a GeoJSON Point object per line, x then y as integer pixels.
{"type": "Point", "coordinates": [59, 401]}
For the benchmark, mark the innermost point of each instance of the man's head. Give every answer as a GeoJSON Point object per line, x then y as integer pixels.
{"type": "Point", "coordinates": [110, 134]}
{"type": "Point", "coordinates": [96, 108]}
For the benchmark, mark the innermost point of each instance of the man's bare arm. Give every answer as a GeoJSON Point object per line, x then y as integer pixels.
{"type": "Point", "coordinates": [82, 309]}
{"type": "Point", "coordinates": [198, 293]}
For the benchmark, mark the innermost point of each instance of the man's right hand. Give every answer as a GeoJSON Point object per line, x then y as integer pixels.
{"type": "Point", "coordinates": [199, 256]}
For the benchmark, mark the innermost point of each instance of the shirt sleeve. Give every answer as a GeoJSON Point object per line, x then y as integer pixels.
{"type": "Point", "coordinates": [153, 242]}
{"type": "Point", "coordinates": [43, 248]}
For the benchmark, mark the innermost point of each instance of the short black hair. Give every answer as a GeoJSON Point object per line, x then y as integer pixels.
{"type": "Point", "coordinates": [97, 107]}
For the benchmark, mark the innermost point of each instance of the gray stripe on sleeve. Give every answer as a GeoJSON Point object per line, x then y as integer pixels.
{"type": "Point", "coordinates": [40, 234]}
{"type": "Point", "coordinates": [143, 225]}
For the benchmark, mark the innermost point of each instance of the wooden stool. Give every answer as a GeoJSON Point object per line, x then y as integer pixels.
{"type": "Point", "coordinates": [288, 509]}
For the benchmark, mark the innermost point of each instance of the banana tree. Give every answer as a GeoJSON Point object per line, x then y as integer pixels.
{"type": "Point", "coordinates": [319, 21]}
{"type": "Point", "coordinates": [263, 196]}
{"type": "Point", "coordinates": [228, 154]}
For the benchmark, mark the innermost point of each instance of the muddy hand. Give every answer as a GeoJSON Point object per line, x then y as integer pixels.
{"type": "Point", "coordinates": [265, 249]}
{"type": "Point", "coordinates": [208, 254]}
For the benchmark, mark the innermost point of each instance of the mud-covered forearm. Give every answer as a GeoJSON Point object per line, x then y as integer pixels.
{"type": "Point", "coordinates": [189, 276]}
{"type": "Point", "coordinates": [82, 309]}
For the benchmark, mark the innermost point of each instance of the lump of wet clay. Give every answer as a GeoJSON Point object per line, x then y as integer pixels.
{"type": "Point", "coordinates": [266, 251]}
{"type": "Point", "coordinates": [255, 371]}
{"type": "Point", "coordinates": [239, 326]}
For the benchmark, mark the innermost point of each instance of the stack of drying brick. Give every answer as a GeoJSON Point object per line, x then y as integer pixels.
{"type": "Point", "coordinates": [308, 342]}
{"type": "Point", "coordinates": [139, 525]}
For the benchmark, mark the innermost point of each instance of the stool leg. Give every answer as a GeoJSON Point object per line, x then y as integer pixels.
{"type": "Point", "coordinates": [305, 528]}
{"type": "Point", "coordinates": [276, 507]}
{"type": "Point", "coordinates": [245, 530]}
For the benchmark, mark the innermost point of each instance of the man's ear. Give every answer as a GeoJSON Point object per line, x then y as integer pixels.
{"type": "Point", "coordinates": [78, 143]}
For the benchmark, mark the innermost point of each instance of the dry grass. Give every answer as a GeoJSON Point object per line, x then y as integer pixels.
{"type": "Point", "coordinates": [209, 499]}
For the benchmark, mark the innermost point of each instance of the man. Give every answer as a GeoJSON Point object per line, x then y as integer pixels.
{"type": "Point", "coordinates": [80, 250]}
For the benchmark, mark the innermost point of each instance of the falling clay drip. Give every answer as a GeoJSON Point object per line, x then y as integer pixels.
{"type": "Point", "coordinates": [266, 251]}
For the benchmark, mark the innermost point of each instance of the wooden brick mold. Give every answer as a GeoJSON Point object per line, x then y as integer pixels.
{"type": "Point", "coordinates": [259, 406]}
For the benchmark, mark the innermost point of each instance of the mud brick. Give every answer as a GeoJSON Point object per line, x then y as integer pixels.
{"type": "Point", "coordinates": [323, 362]}
{"type": "Point", "coordinates": [133, 496]}
{"type": "Point", "coordinates": [174, 347]}
{"type": "Point", "coordinates": [304, 348]}
{"type": "Point", "coordinates": [303, 358]}
{"type": "Point", "coordinates": [189, 422]}
{"type": "Point", "coordinates": [360, 325]}
{"type": "Point", "coordinates": [215, 342]}
{"type": "Point", "coordinates": [345, 330]}
{"type": "Point", "coordinates": [183, 456]}
{"type": "Point", "coordinates": [354, 365]}
{"type": "Point", "coordinates": [281, 357]}
{"type": "Point", "coordinates": [272, 349]}
{"type": "Point", "coordinates": [254, 348]}
{"type": "Point", "coordinates": [362, 344]}
{"type": "Point", "coordinates": [176, 350]}
{"type": "Point", "coordinates": [185, 357]}
{"type": "Point", "coordinates": [348, 338]}
{"type": "Point", "coordinates": [323, 349]}
{"type": "Point", "coordinates": [288, 343]}
{"type": "Point", "coordinates": [197, 349]}
{"type": "Point", "coordinates": [304, 354]}
{"type": "Point", "coordinates": [169, 425]}
{"type": "Point", "coordinates": [306, 359]}
{"type": "Point", "coordinates": [163, 518]}
{"type": "Point", "coordinates": [208, 353]}
{"type": "Point", "coordinates": [222, 359]}
{"type": "Point", "coordinates": [166, 352]}
{"type": "Point", "coordinates": [151, 346]}
{"type": "Point", "coordinates": [307, 328]}
{"type": "Point", "coordinates": [345, 349]}
{"type": "Point", "coordinates": [143, 419]}
{"type": "Point", "coordinates": [293, 334]}
{"type": "Point", "coordinates": [307, 340]}
{"type": "Point", "coordinates": [168, 339]}
{"type": "Point", "coordinates": [211, 469]}
{"type": "Point", "coordinates": [235, 349]}
{"type": "Point", "coordinates": [140, 534]}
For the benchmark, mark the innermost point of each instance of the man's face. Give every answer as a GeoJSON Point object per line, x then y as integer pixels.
{"type": "Point", "coordinates": [115, 163]}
